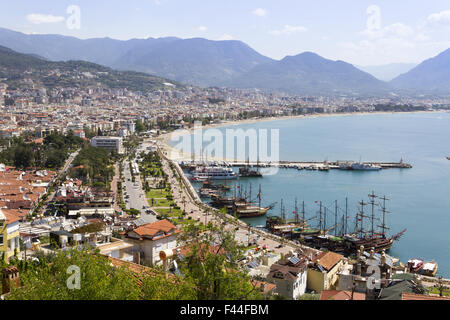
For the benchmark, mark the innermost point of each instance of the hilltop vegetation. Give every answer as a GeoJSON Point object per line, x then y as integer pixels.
{"type": "Point", "coordinates": [18, 69]}
{"type": "Point", "coordinates": [51, 154]}
{"type": "Point", "coordinates": [208, 271]}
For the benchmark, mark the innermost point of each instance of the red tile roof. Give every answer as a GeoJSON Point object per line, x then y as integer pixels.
{"type": "Point", "coordinates": [10, 216]}
{"type": "Point", "coordinates": [341, 295]}
{"type": "Point", "coordinates": [268, 287]}
{"type": "Point", "coordinates": [328, 259]}
{"type": "Point", "coordinates": [152, 229]}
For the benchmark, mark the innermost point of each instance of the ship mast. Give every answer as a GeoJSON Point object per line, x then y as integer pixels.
{"type": "Point", "coordinates": [296, 211]}
{"type": "Point", "coordinates": [335, 217]}
{"type": "Point", "coordinates": [320, 217]}
{"type": "Point", "coordinates": [283, 217]}
{"type": "Point", "coordinates": [384, 211]}
{"type": "Point", "coordinates": [372, 203]}
{"type": "Point", "coordinates": [346, 214]}
{"type": "Point", "coordinates": [240, 189]}
{"type": "Point", "coordinates": [362, 216]}
{"type": "Point", "coordinates": [257, 164]}
{"type": "Point", "coordinates": [303, 213]}
{"type": "Point", "coordinates": [259, 196]}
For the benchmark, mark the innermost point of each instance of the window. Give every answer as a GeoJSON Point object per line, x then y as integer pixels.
{"type": "Point", "coordinates": [1, 239]}
{"type": "Point", "coordinates": [278, 275]}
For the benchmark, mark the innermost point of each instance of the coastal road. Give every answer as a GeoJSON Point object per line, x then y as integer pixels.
{"type": "Point", "coordinates": [183, 200]}
{"type": "Point", "coordinates": [135, 197]}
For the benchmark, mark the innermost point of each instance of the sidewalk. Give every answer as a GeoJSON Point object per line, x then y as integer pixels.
{"type": "Point", "coordinates": [198, 213]}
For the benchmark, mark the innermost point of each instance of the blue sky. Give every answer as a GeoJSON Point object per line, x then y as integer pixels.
{"type": "Point", "coordinates": [357, 31]}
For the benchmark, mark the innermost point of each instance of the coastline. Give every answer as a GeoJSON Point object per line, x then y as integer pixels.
{"type": "Point", "coordinates": [175, 154]}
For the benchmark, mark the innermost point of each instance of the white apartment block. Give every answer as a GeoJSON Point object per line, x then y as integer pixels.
{"type": "Point", "coordinates": [110, 143]}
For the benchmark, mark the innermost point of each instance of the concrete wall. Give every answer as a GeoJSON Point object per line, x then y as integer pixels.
{"type": "Point", "coordinates": [316, 280]}
{"type": "Point", "coordinates": [151, 249]}
{"type": "Point", "coordinates": [319, 281]}
{"type": "Point", "coordinates": [11, 239]}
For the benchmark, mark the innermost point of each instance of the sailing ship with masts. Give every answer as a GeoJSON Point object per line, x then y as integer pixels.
{"type": "Point", "coordinates": [241, 204]}
{"type": "Point", "coordinates": [342, 241]}
{"type": "Point", "coordinates": [247, 171]}
{"type": "Point", "coordinates": [370, 237]}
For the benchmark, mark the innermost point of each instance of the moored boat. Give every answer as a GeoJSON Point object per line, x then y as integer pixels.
{"type": "Point", "coordinates": [213, 173]}
{"type": "Point", "coordinates": [414, 265]}
{"type": "Point", "coordinates": [429, 269]}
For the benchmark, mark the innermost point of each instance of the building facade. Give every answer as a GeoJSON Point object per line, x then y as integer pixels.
{"type": "Point", "coordinates": [9, 235]}
{"type": "Point", "coordinates": [110, 143]}
{"type": "Point", "coordinates": [150, 239]}
{"type": "Point", "coordinates": [289, 276]}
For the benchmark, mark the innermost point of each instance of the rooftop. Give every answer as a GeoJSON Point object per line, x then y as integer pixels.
{"type": "Point", "coordinates": [341, 295]}
{"type": "Point", "coordinates": [157, 229]}
{"type": "Point", "coordinates": [328, 259]}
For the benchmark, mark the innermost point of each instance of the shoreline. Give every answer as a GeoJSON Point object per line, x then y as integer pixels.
{"type": "Point", "coordinates": [175, 154]}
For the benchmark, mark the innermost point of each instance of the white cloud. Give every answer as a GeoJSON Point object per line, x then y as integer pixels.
{"type": "Point", "coordinates": [202, 28]}
{"type": "Point", "coordinates": [287, 30]}
{"type": "Point", "coordinates": [422, 37]}
{"type": "Point", "coordinates": [226, 37]}
{"type": "Point", "coordinates": [440, 16]}
{"type": "Point", "coordinates": [394, 30]}
{"type": "Point", "coordinates": [37, 18]}
{"type": "Point", "coordinates": [394, 43]}
{"type": "Point", "coordinates": [260, 12]}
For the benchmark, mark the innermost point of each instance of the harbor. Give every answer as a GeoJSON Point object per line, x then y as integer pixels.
{"type": "Point", "coordinates": [418, 195]}
{"type": "Point", "coordinates": [328, 229]}
{"type": "Point", "coordinates": [301, 165]}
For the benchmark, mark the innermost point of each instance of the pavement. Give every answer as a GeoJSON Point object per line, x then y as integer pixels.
{"type": "Point", "coordinates": [195, 211]}
{"type": "Point", "coordinates": [137, 197]}
{"type": "Point", "coordinates": [243, 235]}
{"type": "Point", "coordinates": [63, 170]}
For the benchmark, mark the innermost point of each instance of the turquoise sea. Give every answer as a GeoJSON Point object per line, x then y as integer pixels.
{"type": "Point", "coordinates": [419, 197]}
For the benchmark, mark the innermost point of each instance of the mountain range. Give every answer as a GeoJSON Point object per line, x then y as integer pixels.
{"type": "Point", "coordinates": [49, 74]}
{"type": "Point", "coordinates": [432, 75]}
{"type": "Point", "coordinates": [310, 74]}
{"type": "Point", "coordinates": [230, 63]}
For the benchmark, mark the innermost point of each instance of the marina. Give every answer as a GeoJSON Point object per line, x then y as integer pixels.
{"type": "Point", "coordinates": [302, 165]}
{"type": "Point", "coordinates": [418, 195]}
{"type": "Point", "coordinates": [342, 235]}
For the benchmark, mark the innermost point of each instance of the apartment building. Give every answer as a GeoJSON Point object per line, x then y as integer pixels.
{"type": "Point", "coordinates": [150, 239]}
{"type": "Point", "coordinates": [9, 234]}
{"type": "Point", "coordinates": [110, 143]}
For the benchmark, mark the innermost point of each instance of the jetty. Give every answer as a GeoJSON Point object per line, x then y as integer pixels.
{"type": "Point", "coordinates": [312, 165]}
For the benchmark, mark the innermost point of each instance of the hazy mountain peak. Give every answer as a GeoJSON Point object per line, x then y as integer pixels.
{"type": "Point", "coordinates": [389, 71]}
{"type": "Point", "coordinates": [431, 75]}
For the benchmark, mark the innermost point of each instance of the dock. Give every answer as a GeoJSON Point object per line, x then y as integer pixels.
{"type": "Point", "coordinates": [311, 165]}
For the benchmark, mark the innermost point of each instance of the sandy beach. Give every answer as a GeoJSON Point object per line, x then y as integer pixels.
{"type": "Point", "coordinates": [177, 155]}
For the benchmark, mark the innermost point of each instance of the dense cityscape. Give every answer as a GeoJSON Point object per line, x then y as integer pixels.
{"type": "Point", "coordinates": [93, 206]}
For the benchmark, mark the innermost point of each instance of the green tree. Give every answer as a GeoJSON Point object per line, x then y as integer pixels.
{"type": "Point", "coordinates": [48, 278]}
{"type": "Point", "coordinates": [211, 265]}
{"type": "Point", "coordinates": [23, 156]}
{"type": "Point", "coordinates": [140, 127]}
